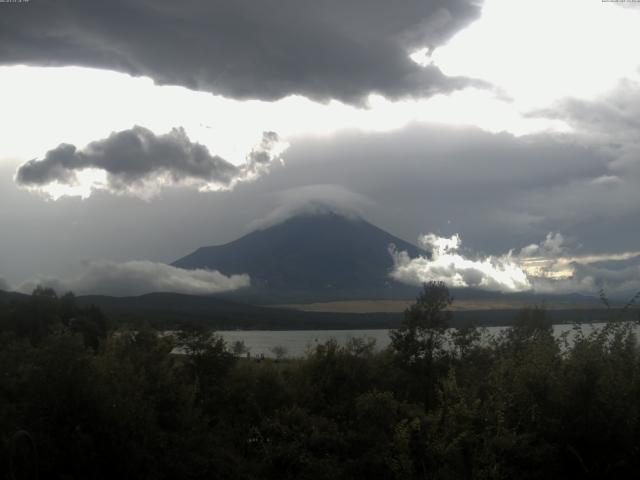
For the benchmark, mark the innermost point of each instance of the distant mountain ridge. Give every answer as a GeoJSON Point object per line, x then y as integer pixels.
{"type": "Point", "coordinates": [171, 310]}
{"type": "Point", "coordinates": [310, 257]}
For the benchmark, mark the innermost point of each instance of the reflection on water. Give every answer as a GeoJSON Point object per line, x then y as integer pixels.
{"type": "Point", "coordinates": [296, 342]}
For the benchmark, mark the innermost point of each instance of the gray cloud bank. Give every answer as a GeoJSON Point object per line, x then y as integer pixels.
{"type": "Point", "coordinates": [138, 161]}
{"type": "Point", "coordinates": [497, 191]}
{"type": "Point", "coordinates": [263, 49]}
{"type": "Point", "coordinates": [139, 277]}
{"type": "Point", "coordinates": [608, 125]}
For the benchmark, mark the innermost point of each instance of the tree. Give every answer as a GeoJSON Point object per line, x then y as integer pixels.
{"type": "Point", "coordinates": [420, 340]}
{"type": "Point", "coordinates": [91, 323]}
{"type": "Point", "coordinates": [239, 348]}
{"type": "Point", "coordinates": [279, 351]}
{"type": "Point", "coordinates": [421, 334]}
{"type": "Point", "coordinates": [208, 361]}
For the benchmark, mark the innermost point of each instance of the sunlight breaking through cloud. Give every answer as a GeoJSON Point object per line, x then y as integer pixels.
{"type": "Point", "coordinates": [448, 265]}
{"type": "Point", "coordinates": [544, 267]}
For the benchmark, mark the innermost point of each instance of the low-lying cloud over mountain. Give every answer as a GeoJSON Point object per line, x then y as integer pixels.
{"type": "Point", "coordinates": [140, 277]}
{"type": "Point", "coordinates": [139, 162]}
{"type": "Point", "coordinates": [243, 48]}
{"type": "Point", "coordinates": [310, 200]}
{"type": "Point", "coordinates": [548, 267]}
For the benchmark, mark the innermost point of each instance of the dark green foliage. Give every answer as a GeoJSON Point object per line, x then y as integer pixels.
{"type": "Point", "coordinates": [440, 403]}
{"type": "Point", "coordinates": [35, 317]}
{"type": "Point", "coordinates": [419, 340]}
{"type": "Point", "coordinates": [419, 344]}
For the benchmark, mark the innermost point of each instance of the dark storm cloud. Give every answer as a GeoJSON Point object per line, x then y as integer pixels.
{"type": "Point", "coordinates": [263, 49]}
{"type": "Point", "coordinates": [138, 159]}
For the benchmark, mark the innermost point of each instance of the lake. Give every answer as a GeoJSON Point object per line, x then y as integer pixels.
{"type": "Point", "coordinates": [296, 342]}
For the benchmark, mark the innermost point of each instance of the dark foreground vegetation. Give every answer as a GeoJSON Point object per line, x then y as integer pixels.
{"type": "Point", "coordinates": [79, 401]}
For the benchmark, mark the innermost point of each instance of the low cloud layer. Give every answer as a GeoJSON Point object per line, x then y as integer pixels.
{"type": "Point", "coordinates": [547, 267]}
{"type": "Point", "coordinates": [243, 48]}
{"type": "Point", "coordinates": [139, 162]}
{"type": "Point", "coordinates": [140, 277]}
{"type": "Point", "coordinates": [4, 285]}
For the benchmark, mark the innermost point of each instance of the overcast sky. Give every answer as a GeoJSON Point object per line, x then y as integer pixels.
{"type": "Point", "coordinates": [134, 131]}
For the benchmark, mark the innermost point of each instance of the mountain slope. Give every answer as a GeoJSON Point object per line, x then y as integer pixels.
{"type": "Point", "coordinates": [310, 257]}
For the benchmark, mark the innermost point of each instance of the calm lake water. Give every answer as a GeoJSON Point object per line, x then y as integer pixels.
{"type": "Point", "coordinates": [296, 342]}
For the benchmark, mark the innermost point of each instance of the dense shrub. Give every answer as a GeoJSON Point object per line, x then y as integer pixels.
{"type": "Point", "coordinates": [439, 403]}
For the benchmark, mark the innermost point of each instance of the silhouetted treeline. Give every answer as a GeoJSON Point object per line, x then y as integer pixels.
{"type": "Point", "coordinates": [80, 402]}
